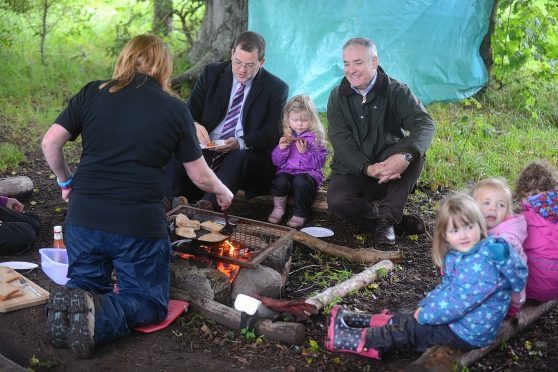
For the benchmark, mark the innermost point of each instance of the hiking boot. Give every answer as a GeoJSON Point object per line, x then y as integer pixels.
{"type": "Point", "coordinates": [342, 338]}
{"type": "Point", "coordinates": [384, 233]}
{"type": "Point", "coordinates": [362, 320]}
{"type": "Point", "coordinates": [279, 205]}
{"type": "Point", "coordinates": [57, 323]}
{"type": "Point", "coordinates": [296, 222]}
{"type": "Point", "coordinates": [81, 311]}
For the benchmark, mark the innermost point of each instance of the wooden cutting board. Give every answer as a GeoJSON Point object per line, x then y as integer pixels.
{"type": "Point", "coordinates": [18, 291]}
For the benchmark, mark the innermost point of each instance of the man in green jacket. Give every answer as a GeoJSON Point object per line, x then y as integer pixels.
{"type": "Point", "coordinates": [380, 133]}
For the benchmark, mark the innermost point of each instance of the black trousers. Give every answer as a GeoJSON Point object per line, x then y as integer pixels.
{"type": "Point", "coordinates": [349, 196]}
{"type": "Point", "coordinates": [405, 333]}
{"type": "Point", "coordinates": [248, 170]}
{"type": "Point", "coordinates": [301, 186]}
{"type": "Point", "coordinates": [18, 231]}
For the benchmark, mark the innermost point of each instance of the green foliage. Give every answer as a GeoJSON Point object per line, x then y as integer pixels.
{"type": "Point", "coordinates": [526, 35]}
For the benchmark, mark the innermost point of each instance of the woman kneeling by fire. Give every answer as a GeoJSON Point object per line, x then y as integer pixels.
{"type": "Point", "coordinates": [130, 127]}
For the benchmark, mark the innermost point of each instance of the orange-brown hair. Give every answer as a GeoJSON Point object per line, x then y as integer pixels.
{"type": "Point", "coordinates": [144, 54]}
{"type": "Point", "coordinates": [458, 209]}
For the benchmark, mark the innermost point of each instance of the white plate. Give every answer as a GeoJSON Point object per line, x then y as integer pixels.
{"type": "Point", "coordinates": [318, 232]}
{"type": "Point", "coordinates": [214, 145]}
{"type": "Point", "coordinates": [19, 265]}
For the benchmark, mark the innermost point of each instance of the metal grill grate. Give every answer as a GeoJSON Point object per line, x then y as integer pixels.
{"type": "Point", "coordinates": [249, 245]}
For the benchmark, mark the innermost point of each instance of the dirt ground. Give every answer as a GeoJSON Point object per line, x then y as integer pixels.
{"type": "Point", "coordinates": [193, 341]}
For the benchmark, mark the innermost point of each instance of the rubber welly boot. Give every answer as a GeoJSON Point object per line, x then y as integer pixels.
{"type": "Point", "coordinates": [279, 205]}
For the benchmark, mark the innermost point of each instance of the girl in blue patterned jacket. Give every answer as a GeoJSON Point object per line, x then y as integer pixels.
{"type": "Point", "coordinates": [464, 311]}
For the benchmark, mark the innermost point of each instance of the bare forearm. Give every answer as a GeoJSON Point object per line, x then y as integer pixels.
{"type": "Point", "coordinates": [52, 145]}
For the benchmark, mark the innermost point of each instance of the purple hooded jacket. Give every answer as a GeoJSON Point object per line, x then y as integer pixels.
{"type": "Point", "coordinates": [292, 162]}
{"type": "Point", "coordinates": [514, 231]}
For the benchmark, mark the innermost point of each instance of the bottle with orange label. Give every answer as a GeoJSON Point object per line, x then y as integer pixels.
{"type": "Point", "coordinates": [58, 238]}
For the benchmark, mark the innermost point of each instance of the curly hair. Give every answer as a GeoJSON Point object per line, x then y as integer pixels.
{"type": "Point", "coordinates": [537, 177]}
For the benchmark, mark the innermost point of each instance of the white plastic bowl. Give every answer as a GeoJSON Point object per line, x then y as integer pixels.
{"type": "Point", "coordinates": [54, 262]}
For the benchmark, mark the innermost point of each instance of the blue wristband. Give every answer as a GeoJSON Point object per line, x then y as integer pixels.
{"type": "Point", "coordinates": [66, 184]}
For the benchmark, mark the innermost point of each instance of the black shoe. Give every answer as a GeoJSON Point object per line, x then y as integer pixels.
{"type": "Point", "coordinates": [411, 224]}
{"type": "Point", "coordinates": [384, 233]}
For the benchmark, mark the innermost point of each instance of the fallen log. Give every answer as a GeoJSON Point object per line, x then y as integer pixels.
{"type": "Point", "coordinates": [361, 256]}
{"type": "Point", "coordinates": [441, 358]}
{"type": "Point", "coordinates": [15, 187]}
{"type": "Point", "coordinates": [352, 284]}
{"type": "Point", "coordinates": [318, 205]}
{"type": "Point", "coordinates": [290, 333]}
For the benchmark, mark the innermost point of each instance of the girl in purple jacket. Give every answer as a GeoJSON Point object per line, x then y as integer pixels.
{"type": "Point", "coordinates": [537, 187]}
{"type": "Point", "coordinates": [299, 158]}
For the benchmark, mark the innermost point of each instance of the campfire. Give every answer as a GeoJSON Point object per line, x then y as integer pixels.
{"type": "Point", "coordinates": [250, 244]}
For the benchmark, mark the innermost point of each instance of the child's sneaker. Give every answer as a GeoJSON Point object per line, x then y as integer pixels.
{"type": "Point", "coordinates": [81, 331]}
{"type": "Point", "coordinates": [342, 338]}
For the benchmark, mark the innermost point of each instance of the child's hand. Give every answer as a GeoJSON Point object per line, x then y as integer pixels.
{"type": "Point", "coordinates": [417, 313]}
{"type": "Point", "coordinates": [301, 145]}
{"type": "Point", "coordinates": [284, 142]}
{"type": "Point", "coordinates": [14, 205]}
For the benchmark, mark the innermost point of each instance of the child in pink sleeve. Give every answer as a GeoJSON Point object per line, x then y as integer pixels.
{"type": "Point", "coordinates": [537, 187]}
{"type": "Point", "coordinates": [494, 198]}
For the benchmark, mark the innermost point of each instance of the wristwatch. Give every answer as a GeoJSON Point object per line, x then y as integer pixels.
{"type": "Point", "coordinates": [408, 157]}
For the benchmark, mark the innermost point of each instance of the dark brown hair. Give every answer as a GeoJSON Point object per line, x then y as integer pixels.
{"type": "Point", "coordinates": [248, 41]}
{"type": "Point", "coordinates": [537, 177]}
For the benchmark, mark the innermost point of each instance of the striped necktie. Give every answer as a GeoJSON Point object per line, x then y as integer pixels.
{"type": "Point", "coordinates": [230, 123]}
{"type": "Point", "coordinates": [234, 114]}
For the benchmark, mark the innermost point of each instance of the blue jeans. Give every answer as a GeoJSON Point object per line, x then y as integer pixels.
{"type": "Point", "coordinates": [142, 269]}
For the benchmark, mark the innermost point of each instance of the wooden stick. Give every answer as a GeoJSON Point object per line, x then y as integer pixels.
{"type": "Point", "coordinates": [352, 284]}
{"type": "Point", "coordinates": [290, 333]}
{"type": "Point", "coordinates": [443, 358]}
{"type": "Point", "coordinates": [364, 255]}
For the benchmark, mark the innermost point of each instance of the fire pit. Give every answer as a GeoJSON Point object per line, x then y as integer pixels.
{"type": "Point", "coordinates": [250, 244]}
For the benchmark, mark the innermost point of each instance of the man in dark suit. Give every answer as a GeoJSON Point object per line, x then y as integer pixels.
{"type": "Point", "coordinates": [237, 104]}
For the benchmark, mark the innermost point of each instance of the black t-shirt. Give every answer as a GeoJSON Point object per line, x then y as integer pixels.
{"type": "Point", "coordinates": [127, 138]}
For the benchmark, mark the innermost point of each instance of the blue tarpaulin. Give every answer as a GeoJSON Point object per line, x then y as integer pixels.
{"type": "Point", "coordinates": [431, 45]}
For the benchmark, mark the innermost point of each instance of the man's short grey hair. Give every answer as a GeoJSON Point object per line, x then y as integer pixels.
{"type": "Point", "coordinates": [364, 42]}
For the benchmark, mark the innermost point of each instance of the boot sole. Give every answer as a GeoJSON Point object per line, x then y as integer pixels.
{"type": "Point", "coordinates": [57, 324]}
{"type": "Point", "coordinates": [82, 323]}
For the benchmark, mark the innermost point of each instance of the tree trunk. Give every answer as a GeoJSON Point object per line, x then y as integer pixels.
{"type": "Point", "coordinates": [486, 48]}
{"type": "Point", "coordinates": [162, 17]}
{"type": "Point", "coordinates": [224, 20]}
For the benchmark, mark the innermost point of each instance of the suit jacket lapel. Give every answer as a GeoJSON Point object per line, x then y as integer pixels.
{"type": "Point", "coordinates": [255, 89]}
{"type": "Point", "coordinates": [224, 91]}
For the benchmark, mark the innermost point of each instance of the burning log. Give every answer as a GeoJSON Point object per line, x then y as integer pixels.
{"type": "Point", "coordinates": [445, 359]}
{"type": "Point", "coordinates": [290, 333]}
{"type": "Point", "coordinates": [354, 283]}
